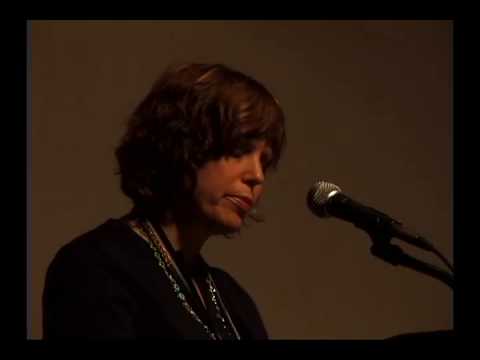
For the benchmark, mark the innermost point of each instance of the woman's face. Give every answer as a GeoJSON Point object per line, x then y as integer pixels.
{"type": "Point", "coordinates": [228, 188]}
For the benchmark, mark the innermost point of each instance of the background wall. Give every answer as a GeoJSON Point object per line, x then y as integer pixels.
{"type": "Point", "coordinates": [369, 108]}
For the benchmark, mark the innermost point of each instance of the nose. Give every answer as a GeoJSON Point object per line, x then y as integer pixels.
{"type": "Point", "coordinates": [254, 173]}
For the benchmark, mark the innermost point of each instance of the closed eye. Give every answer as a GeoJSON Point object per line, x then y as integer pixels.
{"type": "Point", "coordinates": [246, 148]}
{"type": "Point", "coordinates": [266, 160]}
{"type": "Point", "coordinates": [242, 149]}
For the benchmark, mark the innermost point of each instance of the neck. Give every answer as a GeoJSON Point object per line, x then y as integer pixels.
{"type": "Point", "coordinates": [187, 238]}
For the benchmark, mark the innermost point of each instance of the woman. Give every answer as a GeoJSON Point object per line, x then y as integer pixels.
{"type": "Point", "coordinates": [193, 161]}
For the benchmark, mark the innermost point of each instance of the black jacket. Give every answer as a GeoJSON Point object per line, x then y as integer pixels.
{"type": "Point", "coordinates": [107, 284]}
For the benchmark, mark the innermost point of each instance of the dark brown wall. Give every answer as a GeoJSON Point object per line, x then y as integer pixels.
{"type": "Point", "coordinates": [369, 107]}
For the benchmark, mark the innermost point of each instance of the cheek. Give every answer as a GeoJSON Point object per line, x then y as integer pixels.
{"type": "Point", "coordinates": [208, 189]}
{"type": "Point", "coordinates": [206, 195]}
{"type": "Point", "coordinates": [212, 181]}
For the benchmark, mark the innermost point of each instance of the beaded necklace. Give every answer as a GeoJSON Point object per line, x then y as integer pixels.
{"type": "Point", "coordinates": [146, 230]}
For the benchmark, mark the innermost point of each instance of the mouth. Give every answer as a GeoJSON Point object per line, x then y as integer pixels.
{"type": "Point", "coordinates": [244, 203]}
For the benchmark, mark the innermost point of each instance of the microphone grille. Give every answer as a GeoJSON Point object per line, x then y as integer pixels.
{"type": "Point", "coordinates": [318, 195]}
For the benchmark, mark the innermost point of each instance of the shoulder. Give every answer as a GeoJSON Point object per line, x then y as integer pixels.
{"type": "Point", "coordinates": [87, 250]}
{"type": "Point", "coordinates": [85, 292]}
{"type": "Point", "coordinates": [96, 262]}
{"type": "Point", "coordinates": [86, 242]}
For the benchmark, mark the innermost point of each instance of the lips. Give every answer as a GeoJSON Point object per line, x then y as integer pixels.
{"type": "Point", "coordinates": [245, 203]}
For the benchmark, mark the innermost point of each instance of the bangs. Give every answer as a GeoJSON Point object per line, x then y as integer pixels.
{"type": "Point", "coordinates": [257, 116]}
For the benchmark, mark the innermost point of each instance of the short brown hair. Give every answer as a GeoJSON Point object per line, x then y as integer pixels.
{"type": "Point", "coordinates": [193, 113]}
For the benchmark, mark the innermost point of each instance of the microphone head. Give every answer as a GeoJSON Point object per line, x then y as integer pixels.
{"type": "Point", "coordinates": [318, 195]}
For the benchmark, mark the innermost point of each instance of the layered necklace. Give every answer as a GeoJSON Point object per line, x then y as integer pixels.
{"type": "Point", "coordinates": [223, 321]}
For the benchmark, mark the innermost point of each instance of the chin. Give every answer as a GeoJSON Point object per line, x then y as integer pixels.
{"type": "Point", "coordinates": [223, 219]}
{"type": "Point", "coordinates": [226, 224]}
{"type": "Point", "coordinates": [229, 227]}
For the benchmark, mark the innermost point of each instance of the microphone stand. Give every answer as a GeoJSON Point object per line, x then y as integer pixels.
{"type": "Point", "coordinates": [393, 254]}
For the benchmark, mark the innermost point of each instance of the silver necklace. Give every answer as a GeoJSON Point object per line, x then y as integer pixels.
{"type": "Point", "coordinates": [147, 232]}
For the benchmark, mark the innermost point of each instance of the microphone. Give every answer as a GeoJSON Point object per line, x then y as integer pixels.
{"type": "Point", "coordinates": [327, 200]}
